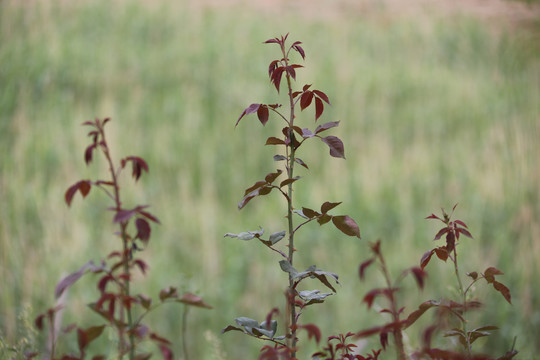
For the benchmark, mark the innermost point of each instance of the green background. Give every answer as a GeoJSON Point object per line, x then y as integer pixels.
{"type": "Point", "coordinates": [435, 108]}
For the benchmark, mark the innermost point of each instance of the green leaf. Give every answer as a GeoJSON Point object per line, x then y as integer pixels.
{"type": "Point", "coordinates": [288, 268]}
{"type": "Point", "coordinates": [246, 235]}
{"type": "Point", "coordinates": [277, 236]}
{"type": "Point", "coordinates": [313, 296]}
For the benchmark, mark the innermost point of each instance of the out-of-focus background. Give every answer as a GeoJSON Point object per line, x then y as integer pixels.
{"type": "Point", "coordinates": [439, 103]}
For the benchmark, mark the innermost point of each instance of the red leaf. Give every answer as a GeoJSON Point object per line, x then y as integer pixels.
{"type": "Point", "coordinates": [310, 213]}
{"type": "Point", "coordinates": [370, 296]}
{"type": "Point", "coordinates": [433, 216]}
{"type": "Point", "coordinates": [322, 95]}
{"type": "Point", "coordinates": [102, 284]}
{"type": "Point", "coordinates": [327, 206]}
{"type": "Point", "coordinates": [442, 253]}
{"type": "Point", "coordinates": [88, 335]}
{"type": "Point", "coordinates": [335, 145]}
{"type": "Point", "coordinates": [313, 331]}
{"type": "Point", "coordinates": [369, 332]}
{"type": "Point", "coordinates": [166, 352]}
{"type": "Point", "coordinates": [143, 230]}
{"type": "Point", "coordinates": [276, 77]}
{"type": "Point", "coordinates": [262, 114]}
{"type": "Point", "coordinates": [299, 161]}
{"type": "Point", "coordinates": [142, 265]}
{"type": "Point", "coordinates": [272, 41]}
{"type": "Point", "coordinates": [464, 232]}
{"type": "Point", "coordinates": [72, 278]}
{"type": "Point", "coordinates": [296, 46]}
{"type": "Point", "coordinates": [415, 315]}
{"type": "Point", "coordinates": [347, 225]}
{"type": "Point", "coordinates": [82, 186]}
{"type": "Point", "coordinates": [249, 110]}
{"type": "Point", "coordinates": [326, 126]}
{"type": "Point", "coordinates": [319, 108]}
{"type": "Point", "coordinates": [419, 275]}
{"type": "Point", "coordinates": [306, 99]}
{"type": "Point", "coordinates": [274, 141]}
{"type": "Point", "coordinates": [364, 266]}
{"type": "Point", "coordinates": [441, 233]}
{"type": "Point", "coordinates": [123, 216]}
{"type": "Point", "coordinates": [194, 300]}
{"type": "Point", "coordinates": [168, 293]}
{"type": "Point", "coordinates": [269, 178]}
{"type": "Point", "coordinates": [149, 216]}
{"type": "Point", "coordinates": [88, 153]}
{"type": "Point", "coordinates": [503, 290]}
{"type": "Point", "coordinates": [425, 258]}
{"type": "Point", "coordinates": [138, 165]}
{"type": "Point", "coordinates": [490, 273]}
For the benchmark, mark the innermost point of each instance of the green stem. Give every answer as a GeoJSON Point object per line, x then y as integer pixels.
{"type": "Point", "coordinates": [290, 169]}
{"type": "Point", "coordinates": [464, 296]}
{"type": "Point", "coordinates": [398, 335]}
{"type": "Point", "coordinates": [125, 254]}
{"type": "Point", "coordinates": [184, 330]}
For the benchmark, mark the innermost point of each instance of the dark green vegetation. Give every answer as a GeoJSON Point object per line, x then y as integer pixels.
{"type": "Point", "coordinates": [434, 112]}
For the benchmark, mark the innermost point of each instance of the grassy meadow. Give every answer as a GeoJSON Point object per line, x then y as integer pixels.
{"type": "Point", "coordinates": [434, 111]}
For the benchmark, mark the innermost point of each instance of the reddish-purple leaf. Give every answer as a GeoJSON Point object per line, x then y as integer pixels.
{"type": "Point", "coordinates": [464, 232]}
{"type": "Point", "coordinates": [419, 275]}
{"type": "Point", "coordinates": [276, 77]}
{"type": "Point", "coordinates": [441, 233]}
{"type": "Point", "coordinates": [168, 293]}
{"type": "Point", "coordinates": [249, 110]}
{"type": "Point", "coordinates": [274, 141]}
{"type": "Point", "coordinates": [319, 108]}
{"type": "Point", "coordinates": [272, 41]}
{"type": "Point", "coordinates": [503, 290]}
{"type": "Point", "coordinates": [166, 352]}
{"type": "Point", "coordinates": [441, 253]}
{"type": "Point", "coordinates": [363, 267]}
{"type": "Point", "coordinates": [322, 95]}
{"type": "Point", "coordinates": [461, 223]}
{"type": "Point", "coordinates": [336, 146]}
{"type": "Point", "coordinates": [138, 165]}
{"type": "Point", "coordinates": [82, 186]}
{"type": "Point", "coordinates": [88, 153]}
{"type": "Point", "coordinates": [369, 332]}
{"type": "Point", "coordinates": [327, 206]}
{"type": "Point", "coordinates": [347, 225]}
{"type": "Point", "coordinates": [296, 46]}
{"type": "Point", "coordinates": [306, 99]}
{"type": "Point", "coordinates": [415, 315]}
{"type": "Point", "coordinates": [143, 230]}
{"type": "Point", "coordinates": [123, 216]}
{"type": "Point", "coordinates": [310, 213]}
{"type": "Point", "coordinates": [88, 335]}
{"type": "Point", "coordinates": [72, 278]}
{"type": "Point", "coordinates": [306, 87]}
{"type": "Point", "coordinates": [299, 161]}
{"type": "Point", "coordinates": [141, 265]}
{"type": "Point", "coordinates": [262, 114]}
{"type": "Point", "coordinates": [313, 331]}
{"type": "Point", "coordinates": [490, 273]}
{"type": "Point", "coordinates": [323, 219]}
{"type": "Point", "coordinates": [425, 258]}
{"type": "Point", "coordinates": [149, 216]}
{"type": "Point", "coordinates": [288, 181]}
{"type": "Point", "coordinates": [306, 133]}
{"type": "Point", "coordinates": [102, 284]}
{"type": "Point", "coordinates": [272, 176]}
{"type": "Point", "coordinates": [231, 328]}
{"type": "Point", "coordinates": [433, 216]}
{"type": "Point", "coordinates": [371, 295]}
{"type": "Point", "coordinates": [257, 185]}
{"type": "Point", "coordinates": [194, 300]}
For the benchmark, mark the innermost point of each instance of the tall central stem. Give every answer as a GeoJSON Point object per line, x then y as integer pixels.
{"type": "Point", "coordinates": [290, 148]}
{"type": "Point", "coordinates": [125, 255]}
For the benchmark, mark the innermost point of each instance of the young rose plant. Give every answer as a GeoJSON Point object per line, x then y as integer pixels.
{"type": "Point", "coordinates": [283, 181]}
{"type": "Point", "coordinates": [118, 307]}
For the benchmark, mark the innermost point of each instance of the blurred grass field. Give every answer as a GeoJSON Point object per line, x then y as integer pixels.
{"type": "Point", "coordinates": [435, 111]}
